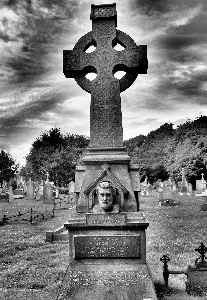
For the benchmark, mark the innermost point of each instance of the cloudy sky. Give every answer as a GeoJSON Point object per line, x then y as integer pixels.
{"type": "Point", "coordinates": [35, 95]}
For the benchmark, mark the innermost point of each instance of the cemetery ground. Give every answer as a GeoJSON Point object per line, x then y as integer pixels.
{"type": "Point", "coordinates": [32, 269]}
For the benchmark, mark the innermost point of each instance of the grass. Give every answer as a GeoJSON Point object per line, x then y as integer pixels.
{"type": "Point", "coordinates": [32, 269]}
{"type": "Point", "coordinates": [176, 232]}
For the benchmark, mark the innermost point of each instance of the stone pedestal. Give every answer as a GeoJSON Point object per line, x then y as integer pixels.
{"type": "Point", "coordinates": [111, 164]}
{"type": "Point", "coordinates": [107, 257]}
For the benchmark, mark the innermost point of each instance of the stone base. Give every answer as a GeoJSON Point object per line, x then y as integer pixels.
{"type": "Point", "coordinates": [169, 203]}
{"type": "Point", "coordinates": [107, 257]}
{"type": "Point", "coordinates": [204, 206]}
{"type": "Point", "coordinates": [196, 281]}
{"type": "Point", "coordinates": [109, 280]}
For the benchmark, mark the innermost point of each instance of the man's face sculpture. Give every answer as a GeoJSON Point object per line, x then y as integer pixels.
{"type": "Point", "coordinates": [105, 198]}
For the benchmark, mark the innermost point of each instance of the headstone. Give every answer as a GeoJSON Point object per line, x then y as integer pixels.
{"type": "Point", "coordinates": [184, 182]}
{"type": "Point", "coordinates": [174, 187]}
{"type": "Point", "coordinates": [204, 196]}
{"type": "Point", "coordinates": [4, 197]}
{"type": "Point", "coordinates": [71, 187]}
{"type": "Point", "coordinates": [197, 275]}
{"type": "Point", "coordinates": [4, 186]}
{"type": "Point", "coordinates": [166, 195]}
{"type": "Point", "coordinates": [102, 263]}
{"type": "Point", "coordinates": [30, 189]}
{"type": "Point", "coordinates": [48, 193]}
{"type": "Point", "coordinates": [190, 189]}
{"type": "Point", "coordinates": [203, 183]}
{"type": "Point", "coordinates": [169, 202]}
{"type": "Point", "coordinates": [149, 190]}
{"type": "Point", "coordinates": [200, 186]}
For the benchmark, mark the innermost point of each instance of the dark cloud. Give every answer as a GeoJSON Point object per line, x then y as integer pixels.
{"type": "Point", "coordinates": [188, 83]}
{"type": "Point", "coordinates": [38, 30]}
{"type": "Point", "coordinates": [150, 6]}
{"type": "Point", "coordinates": [177, 42]}
{"type": "Point", "coordinates": [33, 110]}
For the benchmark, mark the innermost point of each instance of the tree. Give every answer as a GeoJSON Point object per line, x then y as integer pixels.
{"type": "Point", "coordinates": [150, 152]}
{"type": "Point", "coordinates": [55, 153]}
{"type": "Point", "coordinates": [165, 151]}
{"type": "Point", "coordinates": [8, 167]}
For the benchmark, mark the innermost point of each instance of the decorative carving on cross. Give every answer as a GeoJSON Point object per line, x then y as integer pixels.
{"type": "Point", "coordinates": [105, 61]}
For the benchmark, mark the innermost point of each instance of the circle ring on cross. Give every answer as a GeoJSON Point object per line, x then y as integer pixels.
{"type": "Point", "coordinates": [131, 73]}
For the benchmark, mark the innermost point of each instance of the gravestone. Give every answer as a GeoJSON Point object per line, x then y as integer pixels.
{"type": "Point", "coordinates": [72, 195]}
{"type": "Point", "coordinates": [204, 197]}
{"type": "Point", "coordinates": [4, 197]}
{"type": "Point", "coordinates": [149, 190]}
{"type": "Point", "coordinates": [184, 182]}
{"type": "Point", "coordinates": [30, 189]}
{"type": "Point", "coordinates": [48, 193]}
{"type": "Point", "coordinates": [169, 202]}
{"type": "Point", "coordinates": [197, 275]}
{"type": "Point", "coordinates": [107, 243]}
{"type": "Point", "coordinates": [200, 185]}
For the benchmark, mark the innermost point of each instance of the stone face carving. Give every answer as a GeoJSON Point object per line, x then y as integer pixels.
{"type": "Point", "coordinates": [105, 115]}
{"type": "Point", "coordinates": [106, 194]}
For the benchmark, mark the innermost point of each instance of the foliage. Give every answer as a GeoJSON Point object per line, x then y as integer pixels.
{"type": "Point", "coordinates": [8, 167]}
{"type": "Point", "coordinates": [150, 152]}
{"type": "Point", "coordinates": [56, 154]}
{"type": "Point", "coordinates": [165, 151]}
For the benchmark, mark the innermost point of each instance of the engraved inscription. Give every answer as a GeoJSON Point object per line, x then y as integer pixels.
{"type": "Point", "coordinates": [106, 219]}
{"type": "Point", "coordinates": [117, 246]}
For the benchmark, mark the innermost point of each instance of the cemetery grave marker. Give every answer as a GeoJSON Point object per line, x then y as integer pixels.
{"type": "Point", "coordinates": [196, 275]}
{"type": "Point", "coordinates": [106, 182]}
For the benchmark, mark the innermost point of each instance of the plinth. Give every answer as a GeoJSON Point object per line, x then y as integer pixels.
{"type": "Point", "coordinates": [107, 258]}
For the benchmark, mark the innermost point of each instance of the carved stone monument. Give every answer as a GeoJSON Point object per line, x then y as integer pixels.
{"type": "Point", "coordinates": [106, 134]}
{"type": "Point", "coordinates": [107, 240]}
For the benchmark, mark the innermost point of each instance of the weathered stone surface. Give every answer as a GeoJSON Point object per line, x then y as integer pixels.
{"type": "Point", "coordinates": [116, 246]}
{"type": "Point", "coordinates": [30, 189]}
{"type": "Point", "coordinates": [104, 281]}
{"type": "Point", "coordinates": [4, 197]}
{"type": "Point", "coordinates": [48, 193]}
{"type": "Point", "coordinates": [204, 207]}
{"type": "Point", "coordinates": [196, 280]}
{"type": "Point", "coordinates": [106, 219]}
{"type": "Point", "coordinates": [105, 114]}
{"type": "Point", "coordinates": [169, 202]}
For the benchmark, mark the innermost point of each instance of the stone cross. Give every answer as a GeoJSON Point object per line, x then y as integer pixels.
{"type": "Point", "coordinates": [105, 111]}
{"type": "Point", "coordinates": [47, 179]}
{"type": "Point", "coordinates": [202, 250]}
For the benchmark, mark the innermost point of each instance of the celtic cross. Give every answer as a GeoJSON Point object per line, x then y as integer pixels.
{"type": "Point", "coordinates": [105, 61]}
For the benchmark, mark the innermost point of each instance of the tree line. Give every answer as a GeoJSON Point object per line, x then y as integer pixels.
{"type": "Point", "coordinates": [160, 154]}
{"type": "Point", "coordinates": [165, 151]}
